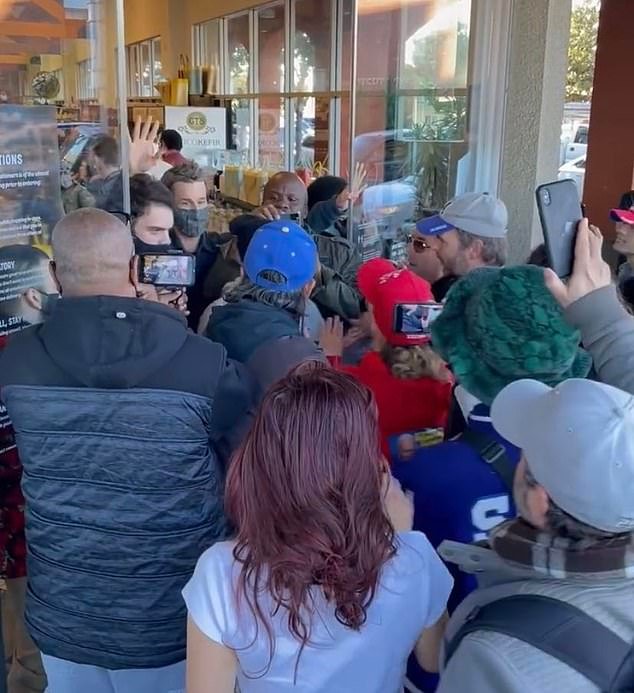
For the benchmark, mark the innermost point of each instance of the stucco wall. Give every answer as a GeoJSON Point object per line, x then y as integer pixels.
{"type": "Point", "coordinates": [534, 110]}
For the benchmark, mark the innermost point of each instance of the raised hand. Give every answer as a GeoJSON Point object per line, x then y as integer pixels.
{"type": "Point", "coordinates": [141, 147]}
{"type": "Point", "coordinates": [590, 271]}
{"type": "Point", "coordinates": [355, 189]}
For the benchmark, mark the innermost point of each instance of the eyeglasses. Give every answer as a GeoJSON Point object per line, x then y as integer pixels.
{"type": "Point", "coordinates": [420, 246]}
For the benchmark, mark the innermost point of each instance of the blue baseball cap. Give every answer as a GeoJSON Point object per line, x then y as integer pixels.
{"type": "Point", "coordinates": [285, 248]}
{"type": "Point", "coordinates": [479, 214]}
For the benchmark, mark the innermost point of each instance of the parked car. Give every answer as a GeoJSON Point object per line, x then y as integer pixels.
{"type": "Point", "coordinates": [575, 170]}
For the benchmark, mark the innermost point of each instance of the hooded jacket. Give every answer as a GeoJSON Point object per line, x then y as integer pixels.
{"type": "Point", "coordinates": [267, 339]}
{"type": "Point", "coordinates": [118, 412]}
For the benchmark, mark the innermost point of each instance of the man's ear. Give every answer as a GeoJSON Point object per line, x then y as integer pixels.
{"type": "Point", "coordinates": [134, 272]}
{"type": "Point", "coordinates": [537, 502]}
{"type": "Point", "coordinates": [476, 248]}
{"type": "Point", "coordinates": [52, 268]}
{"type": "Point", "coordinates": [33, 298]}
{"type": "Point", "coordinates": [309, 288]}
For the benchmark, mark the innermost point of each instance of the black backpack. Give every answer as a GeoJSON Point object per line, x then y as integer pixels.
{"type": "Point", "coordinates": [555, 627]}
{"type": "Point", "coordinates": [561, 630]}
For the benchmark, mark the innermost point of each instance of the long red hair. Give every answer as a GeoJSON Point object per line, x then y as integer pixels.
{"type": "Point", "coordinates": [304, 492]}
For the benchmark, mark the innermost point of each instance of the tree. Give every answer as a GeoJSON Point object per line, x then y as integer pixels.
{"type": "Point", "coordinates": [582, 49]}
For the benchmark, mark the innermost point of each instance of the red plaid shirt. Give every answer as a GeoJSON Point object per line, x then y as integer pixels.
{"type": "Point", "coordinates": [12, 539]}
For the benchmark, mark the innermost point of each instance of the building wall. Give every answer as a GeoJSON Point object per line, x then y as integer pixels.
{"type": "Point", "coordinates": [534, 112]}
{"type": "Point", "coordinates": [610, 163]}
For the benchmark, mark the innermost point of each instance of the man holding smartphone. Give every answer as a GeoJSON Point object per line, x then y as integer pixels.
{"type": "Point", "coordinates": [122, 436]}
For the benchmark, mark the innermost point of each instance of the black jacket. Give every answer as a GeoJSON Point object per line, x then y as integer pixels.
{"type": "Point", "coordinates": [267, 339]}
{"type": "Point", "coordinates": [118, 411]}
{"type": "Point", "coordinates": [206, 255]}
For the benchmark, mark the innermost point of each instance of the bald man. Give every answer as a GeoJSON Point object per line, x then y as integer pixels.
{"type": "Point", "coordinates": [335, 292]}
{"type": "Point", "coordinates": [120, 414]}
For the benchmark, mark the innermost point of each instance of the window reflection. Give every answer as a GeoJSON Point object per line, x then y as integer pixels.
{"type": "Point", "coordinates": [271, 39]}
{"type": "Point", "coordinates": [238, 54]}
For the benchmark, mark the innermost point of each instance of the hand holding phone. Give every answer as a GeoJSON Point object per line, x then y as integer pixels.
{"type": "Point", "coordinates": [167, 269]}
{"type": "Point", "coordinates": [560, 212]}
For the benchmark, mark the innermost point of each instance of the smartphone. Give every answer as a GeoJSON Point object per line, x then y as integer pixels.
{"type": "Point", "coordinates": [416, 319]}
{"type": "Point", "coordinates": [560, 212]}
{"type": "Point", "coordinates": [169, 269]}
{"type": "Point", "coordinates": [291, 217]}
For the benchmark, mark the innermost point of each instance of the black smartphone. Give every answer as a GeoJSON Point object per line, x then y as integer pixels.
{"type": "Point", "coordinates": [560, 212]}
{"type": "Point", "coordinates": [416, 319]}
{"type": "Point", "coordinates": [291, 217]}
{"type": "Point", "coordinates": [168, 269]}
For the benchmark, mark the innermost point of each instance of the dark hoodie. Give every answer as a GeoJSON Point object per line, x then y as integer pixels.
{"type": "Point", "coordinates": [118, 411]}
{"type": "Point", "coordinates": [248, 329]}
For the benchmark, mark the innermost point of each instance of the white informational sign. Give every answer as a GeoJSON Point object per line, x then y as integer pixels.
{"type": "Point", "coordinates": [204, 131]}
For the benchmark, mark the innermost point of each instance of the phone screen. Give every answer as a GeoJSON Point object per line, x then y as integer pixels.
{"type": "Point", "coordinates": [167, 270]}
{"type": "Point", "coordinates": [416, 319]}
{"type": "Point", "coordinates": [560, 212]}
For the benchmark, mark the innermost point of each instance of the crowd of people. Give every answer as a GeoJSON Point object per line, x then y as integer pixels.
{"type": "Point", "coordinates": [308, 473]}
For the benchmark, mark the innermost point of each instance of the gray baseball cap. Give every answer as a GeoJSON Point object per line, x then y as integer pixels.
{"type": "Point", "coordinates": [578, 441]}
{"type": "Point", "coordinates": [479, 214]}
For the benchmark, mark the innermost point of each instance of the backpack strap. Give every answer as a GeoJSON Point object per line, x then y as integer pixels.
{"type": "Point", "coordinates": [492, 452]}
{"type": "Point", "coordinates": [559, 629]}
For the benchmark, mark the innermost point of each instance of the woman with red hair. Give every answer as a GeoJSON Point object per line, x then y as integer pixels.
{"type": "Point", "coordinates": [325, 587]}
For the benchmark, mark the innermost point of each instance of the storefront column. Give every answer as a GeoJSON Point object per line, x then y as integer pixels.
{"type": "Point", "coordinates": [538, 49]}
{"type": "Point", "coordinates": [610, 162]}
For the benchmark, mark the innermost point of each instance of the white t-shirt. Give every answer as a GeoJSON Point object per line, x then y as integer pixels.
{"type": "Point", "coordinates": [412, 595]}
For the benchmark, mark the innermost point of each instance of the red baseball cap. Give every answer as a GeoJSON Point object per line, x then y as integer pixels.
{"type": "Point", "coordinates": [385, 287]}
{"type": "Point", "coordinates": [369, 274]}
{"type": "Point", "coordinates": [624, 215]}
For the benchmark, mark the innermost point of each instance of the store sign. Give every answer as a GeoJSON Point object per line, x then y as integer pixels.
{"type": "Point", "coordinates": [204, 131]}
{"type": "Point", "coordinates": [30, 200]}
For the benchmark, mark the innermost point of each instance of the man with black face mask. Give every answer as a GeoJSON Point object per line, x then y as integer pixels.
{"type": "Point", "coordinates": [191, 222]}
{"type": "Point", "coordinates": [35, 292]}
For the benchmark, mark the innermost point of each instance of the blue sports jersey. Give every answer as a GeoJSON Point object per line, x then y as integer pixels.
{"type": "Point", "coordinates": [459, 497]}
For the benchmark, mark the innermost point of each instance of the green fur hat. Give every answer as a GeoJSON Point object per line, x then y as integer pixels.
{"type": "Point", "coordinates": [502, 324]}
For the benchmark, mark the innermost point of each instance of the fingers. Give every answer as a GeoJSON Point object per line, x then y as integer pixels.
{"type": "Point", "coordinates": [137, 129]}
{"type": "Point", "coordinates": [145, 129]}
{"type": "Point", "coordinates": [556, 287]}
{"type": "Point", "coordinates": [595, 242]}
{"type": "Point", "coordinates": [582, 244]}
{"type": "Point", "coordinates": [154, 131]}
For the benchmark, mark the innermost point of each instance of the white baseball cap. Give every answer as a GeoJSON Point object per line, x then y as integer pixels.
{"type": "Point", "coordinates": [578, 441]}
{"type": "Point", "coordinates": [479, 214]}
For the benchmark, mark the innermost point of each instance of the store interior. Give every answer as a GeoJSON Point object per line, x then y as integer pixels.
{"type": "Point", "coordinates": [307, 85]}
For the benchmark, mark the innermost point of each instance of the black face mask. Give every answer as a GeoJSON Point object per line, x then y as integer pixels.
{"type": "Point", "coordinates": [48, 303]}
{"type": "Point", "coordinates": [141, 247]}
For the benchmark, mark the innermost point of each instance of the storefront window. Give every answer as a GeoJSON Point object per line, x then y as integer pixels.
{"type": "Point", "coordinates": [271, 54]}
{"type": "Point", "coordinates": [57, 104]}
{"type": "Point", "coordinates": [207, 51]}
{"type": "Point", "coordinates": [238, 54]}
{"type": "Point", "coordinates": [271, 132]}
{"type": "Point", "coordinates": [411, 105]}
{"type": "Point", "coordinates": [144, 67]}
{"type": "Point", "coordinates": [312, 46]}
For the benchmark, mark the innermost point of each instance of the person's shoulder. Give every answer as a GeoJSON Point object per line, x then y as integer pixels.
{"type": "Point", "coordinates": [218, 562]}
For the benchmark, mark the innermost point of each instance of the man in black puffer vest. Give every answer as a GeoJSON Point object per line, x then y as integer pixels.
{"type": "Point", "coordinates": [119, 413]}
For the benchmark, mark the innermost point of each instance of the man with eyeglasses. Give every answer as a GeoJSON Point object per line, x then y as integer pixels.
{"type": "Point", "coordinates": [470, 232]}
{"type": "Point", "coordinates": [423, 261]}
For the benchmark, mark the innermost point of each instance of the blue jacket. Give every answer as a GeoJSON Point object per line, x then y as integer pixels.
{"type": "Point", "coordinates": [118, 412]}
{"type": "Point", "coordinates": [458, 497]}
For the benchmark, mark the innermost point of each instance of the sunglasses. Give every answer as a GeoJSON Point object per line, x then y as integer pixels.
{"type": "Point", "coordinates": [420, 246]}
